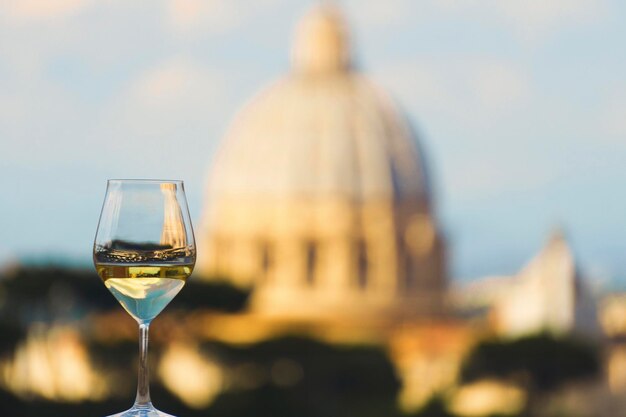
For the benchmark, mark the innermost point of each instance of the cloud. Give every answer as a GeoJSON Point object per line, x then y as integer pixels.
{"type": "Point", "coordinates": [534, 17]}
{"type": "Point", "coordinates": [39, 121]}
{"type": "Point", "coordinates": [496, 84]}
{"type": "Point", "coordinates": [471, 91]}
{"type": "Point", "coordinates": [487, 117]}
{"type": "Point", "coordinates": [41, 9]}
{"type": "Point", "coordinates": [612, 118]}
{"type": "Point", "coordinates": [169, 81]}
{"type": "Point", "coordinates": [175, 90]}
{"type": "Point", "coordinates": [473, 178]}
{"type": "Point", "coordinates": [528, 20]}
{"type": "Point", "coordinates": [193, 17]}
{"type": "Point", "coordinates": [167, 104]}
{"type": "Point", "coordinates": [545, 12]}
{"type": "Point", "coordinates": [190, 16]}
{"type": "Point", "coordinates": [381, 13]}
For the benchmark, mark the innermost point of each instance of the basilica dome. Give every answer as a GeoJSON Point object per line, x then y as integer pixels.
{"type": "Point", "coordinates": [323, 130]}
{"type": "Point", "coordinates": [319, 197]}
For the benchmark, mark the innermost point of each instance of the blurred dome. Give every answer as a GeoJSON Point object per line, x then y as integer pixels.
{"type": "Point", "coordinates": [319, 188]}
{"type": "Point", "coordinates": [315, 137]}
{"type": "Point", "coordinates": [322, 130]}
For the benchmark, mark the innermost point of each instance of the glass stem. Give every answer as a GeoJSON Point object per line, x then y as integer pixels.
{"type": "Point", "coordinates": [143, 383]}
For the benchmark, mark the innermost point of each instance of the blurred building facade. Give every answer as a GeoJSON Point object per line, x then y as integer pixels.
{"type": "Point", "coordinates": [547, 295]}
{"type": "Point", "coordinates": [319, 197]}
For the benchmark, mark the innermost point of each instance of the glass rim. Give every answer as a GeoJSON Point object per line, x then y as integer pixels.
{"type": "Point", "coordinates": [143, 181]}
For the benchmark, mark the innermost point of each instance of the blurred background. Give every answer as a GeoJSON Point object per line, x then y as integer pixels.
{"type": "Point", "coordinates": [401, 208]}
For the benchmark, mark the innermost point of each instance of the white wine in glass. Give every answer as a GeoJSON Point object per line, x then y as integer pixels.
{"type": "Point", "coordinates": [144, 251]}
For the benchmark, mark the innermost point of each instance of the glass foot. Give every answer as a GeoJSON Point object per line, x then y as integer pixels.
{"type": "Point", "coordinates": [142, 412]}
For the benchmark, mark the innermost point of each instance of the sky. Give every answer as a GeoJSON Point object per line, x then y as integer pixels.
{"type": "Point", "coordinates": [520, 106]}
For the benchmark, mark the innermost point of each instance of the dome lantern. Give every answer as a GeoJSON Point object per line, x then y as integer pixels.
{"type": "Point", "coordinates": [321, 44]}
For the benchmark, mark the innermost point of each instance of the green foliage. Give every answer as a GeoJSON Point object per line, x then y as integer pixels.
{"type": "Point", "coordinates": [542, 362]}
{"type": "Point", "coordinates": [215, 294]}
{"type": "Point", "coordinates": [436, 407]}
{"type": "Point", "coordinates": [52, 293]}
{"type": "Point", "coordinates": [11, 334]}
{"type": "Point", "coordinates": [333, 382]}
{"type": "Point", "coordinates": [13, 406]}
{"type": "Point", "coordinates": [121, 355]}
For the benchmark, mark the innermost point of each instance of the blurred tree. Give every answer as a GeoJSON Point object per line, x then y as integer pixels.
{"type": "Point", "coordinates": [436, 407]}
{"type": "Point", "coordinates": [214, 293]}
{"type": "Point", "coordinates": [10, 335]}
{"type": "Point", "coordinates": [53, 293]}
{"type": "Point", "coordinates": [330, 381]}
{"type": "Point", "coordinates": [291, 376]}
{"type": "Point", "coordinates": [540, 363]}
{"type": "Point", "coordinates": [279, 378]}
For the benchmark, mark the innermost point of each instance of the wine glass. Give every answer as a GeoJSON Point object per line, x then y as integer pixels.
{"type": "Point", "coordinates": [144, 251]}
